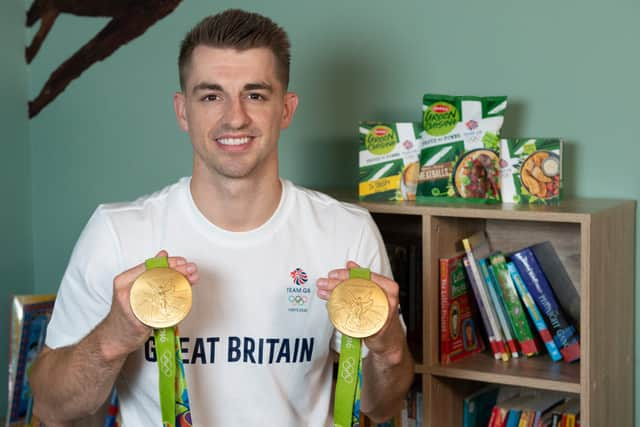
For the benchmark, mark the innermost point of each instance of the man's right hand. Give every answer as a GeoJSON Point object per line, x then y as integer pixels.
{"type": "Point", "coordinates": [121, 331]}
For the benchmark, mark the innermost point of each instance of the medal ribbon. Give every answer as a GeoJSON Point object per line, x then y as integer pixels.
{"type": "Point", "coordinates": [346, 406]}
{"type": "Point", "coordinates": [174, 398]}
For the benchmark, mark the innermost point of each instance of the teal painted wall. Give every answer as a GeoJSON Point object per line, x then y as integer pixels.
{"type": "Point", "coordinates": [16, 257]}
{"type": "Point", "coordinates": [570, 70]}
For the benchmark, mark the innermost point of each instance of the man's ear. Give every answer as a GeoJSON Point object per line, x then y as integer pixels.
{"type": "Point", "coordinates": [290, 105]}
{"type": "Point", "coordinates": [179, 105]}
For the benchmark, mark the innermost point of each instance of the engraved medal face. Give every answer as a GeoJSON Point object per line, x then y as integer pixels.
{"type": "Point", "coordinates": [160, 297]}
{"type": "Point", "coordinates": [358, 308]}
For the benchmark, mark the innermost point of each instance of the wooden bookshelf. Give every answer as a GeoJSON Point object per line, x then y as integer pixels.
{"type": "Point", "coordinates": [595, 241]}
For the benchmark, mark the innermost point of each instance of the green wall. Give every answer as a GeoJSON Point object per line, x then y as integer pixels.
{"type": "Point", "coordinates": [569, 68]}
{"type": "Point", "coordinates": [16, 258]}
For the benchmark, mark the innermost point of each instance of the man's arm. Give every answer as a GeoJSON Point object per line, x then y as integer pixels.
{"type": "Point", "coordinates": [387, 371]}
{"type": "Point", "coordinates": [72, 382]}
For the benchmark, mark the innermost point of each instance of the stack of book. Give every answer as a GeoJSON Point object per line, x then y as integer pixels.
{"type": "Point", "coordinates": [526, 301]}
{"type": "Point", "coordinates": [495, 406]}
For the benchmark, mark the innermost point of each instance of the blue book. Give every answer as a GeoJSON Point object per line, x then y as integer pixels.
{"type": "Point", "coordinates": [535, 314]}
{"type": "Point", "coordinates": [478, 405]}
{"type": "Point", "coordinates": [564, 334]}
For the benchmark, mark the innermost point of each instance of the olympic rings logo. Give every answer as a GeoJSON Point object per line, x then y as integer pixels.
{"type": "Point", "coordinates": [165, 361]}
{"type": "Point", "coordinates": [162, 335]}
{"type": "Point", "coordinates": [298, 299]}
{"type": "Point", "coordinates": [348, 370]}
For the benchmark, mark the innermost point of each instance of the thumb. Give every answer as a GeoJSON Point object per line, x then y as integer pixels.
{"type": "Point", "coordinates": [352, 264]}
{"type": "Point", "coordinates": [132, 274]}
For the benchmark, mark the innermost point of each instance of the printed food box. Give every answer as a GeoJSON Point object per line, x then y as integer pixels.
{"type": "Point", "coordinates": [531, 170]}
{"type": "Point", "coordinates": [388, 159]}
{"type": "Point", "coordinates": [460, 147]}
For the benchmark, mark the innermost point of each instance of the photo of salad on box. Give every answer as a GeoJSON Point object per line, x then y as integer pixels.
{"type": "Point", "coordinates": [460, 147]}
{"type": "Point", "coordinates": [531, 170]}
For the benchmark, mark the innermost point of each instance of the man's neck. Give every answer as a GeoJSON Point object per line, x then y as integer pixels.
{"type": "Point", "coordinates": [237, 204]}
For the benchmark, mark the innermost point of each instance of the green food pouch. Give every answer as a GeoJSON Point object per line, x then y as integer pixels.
{"type": "Point", "coordinates": [531, 170]}
{"type": "Point", "coordinates": [388, 160]}
{"type": "Point", "coordinates": [460, 147]}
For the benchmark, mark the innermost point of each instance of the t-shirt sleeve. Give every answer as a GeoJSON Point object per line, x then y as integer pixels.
{"type": "Point", "coordinates": [84, 295]}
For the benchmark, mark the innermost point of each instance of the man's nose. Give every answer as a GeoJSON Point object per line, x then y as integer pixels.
{"type": "Point", "coordinates": [237, 116]}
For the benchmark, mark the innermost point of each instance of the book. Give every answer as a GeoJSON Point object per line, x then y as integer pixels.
{"type": "Point", "coordinates": [563, 333]}
{"type": "Point", "coordinates": [513, 306]}
{"type": "Point", "coordinates": [498, 304]}
{"type": "Point", "coordinates": [534, 313]}
{"type": "Point", "coordinates": [30, 315]}
{"type": "Point", "coordinates": [477, 406]}
{"type": "Point", "coordinates": [480, 300]}
{"type": "Point", "coordinates": [559, 280]}
{"type": "Point", "coordinates": [477, 247]}
{"type": "Point", "coordinates": [458, 331]}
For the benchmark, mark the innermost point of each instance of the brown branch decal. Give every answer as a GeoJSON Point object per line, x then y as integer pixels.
{"type": "Point", "coordinates": [130, 19]}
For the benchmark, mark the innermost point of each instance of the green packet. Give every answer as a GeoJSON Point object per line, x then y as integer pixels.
{"type": "Point", "coordinates": [460, 147]}
{"type": "Point", "coordinates": [531, 170]}
{"type": "Point", "coordinates": [388, 160]}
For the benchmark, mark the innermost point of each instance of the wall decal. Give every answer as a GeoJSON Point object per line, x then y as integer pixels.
{"type": "Point", "coordinates": [130, 19]}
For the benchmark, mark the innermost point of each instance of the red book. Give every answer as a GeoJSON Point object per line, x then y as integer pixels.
{"type": "Point", "coordinates": [459, 335]}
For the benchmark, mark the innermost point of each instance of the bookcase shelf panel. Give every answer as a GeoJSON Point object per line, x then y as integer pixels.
{"type": "Point", "coordinates": [595, 240]}
{"type": "Point", "coordinates": [535, 372]}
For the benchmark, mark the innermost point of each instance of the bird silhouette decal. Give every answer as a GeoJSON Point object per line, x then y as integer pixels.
{"type": "Point", "coordinates": [129, 19]}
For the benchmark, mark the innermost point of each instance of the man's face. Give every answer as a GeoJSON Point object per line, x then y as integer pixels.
{"type": "Point", "coordinates": [233, 108]}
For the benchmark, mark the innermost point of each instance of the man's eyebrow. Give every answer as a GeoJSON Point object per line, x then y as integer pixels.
{"type": "Point", "coordinates": [206, 86]}
{"type": "Point", "coordinates": [258, 86]}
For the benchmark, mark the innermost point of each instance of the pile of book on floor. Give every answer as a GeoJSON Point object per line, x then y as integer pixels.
{"type": "Point", "coordinates": [526, 302]}
{"type": "Point", "coordinates": [498, 406]}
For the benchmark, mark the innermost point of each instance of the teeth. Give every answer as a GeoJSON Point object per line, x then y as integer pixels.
{"type": "Point", "coordinates": [233, 141]}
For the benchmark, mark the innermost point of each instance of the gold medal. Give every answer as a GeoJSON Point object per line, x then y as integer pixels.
{"type": "Point", "coordinates": [160, 297]}
{"type": "Point", "coordinates": [358, 308]}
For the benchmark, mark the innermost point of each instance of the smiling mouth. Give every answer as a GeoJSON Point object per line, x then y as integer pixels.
{"type": "Point", "coordinates": [234, 141]}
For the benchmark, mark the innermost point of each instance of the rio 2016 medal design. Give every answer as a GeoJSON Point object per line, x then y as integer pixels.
{"type": "Point", "coordinates": [161, 297]}
{"type": "Point", "coordinates": [358, 308]}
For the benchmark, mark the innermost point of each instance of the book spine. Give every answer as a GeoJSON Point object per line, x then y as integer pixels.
{"type": "Point", "coordinates": [445, 342]}
{"type": "Point", "coordinates": [499, 307]}
{"type": "Point", "coordinates": [563, 333]}
{"type": "Point", "coordinates": [491, 314]}
{"type": "Point", "coordinates": [567, 295]}
{"type": "Point", "coordinates": [483, 310]}
{"type": "Point", "coordinates": [538, 321]}
{"type": "Point", "coordinates": [513, 306]}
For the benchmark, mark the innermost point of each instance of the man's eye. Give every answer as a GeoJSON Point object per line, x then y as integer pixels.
{"type": "Point", "coordinates": [256, 97]}
{"type": "Point", "coordinates": [210, 97]}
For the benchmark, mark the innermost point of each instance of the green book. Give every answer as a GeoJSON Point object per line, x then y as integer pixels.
{"type": "Point", "coordinates": [513, 305]}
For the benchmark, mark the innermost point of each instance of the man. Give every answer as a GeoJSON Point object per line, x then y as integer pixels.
{"type": "Point", "coordinates": [256, 345]}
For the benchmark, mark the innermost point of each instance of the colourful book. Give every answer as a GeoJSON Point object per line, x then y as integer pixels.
{"type": "Point", "coordinates": [458, 331]}
{"type": "Point", "coordinates": [477, 247]}
{"type": "Point", "coordinates": [559, 280]}
{"type": "Point", "coordinates": [498, 304]}
{"type": "Point", "coordinates": [513, 306]}
{"type": "Point", "coordinates": [564, 334]}
{"type": "Point", "coordinates": [484, 314]}
{"type": "Point", "coordinates": [534, 313]}
{"type": "Point", "coordinates": [478, 405]}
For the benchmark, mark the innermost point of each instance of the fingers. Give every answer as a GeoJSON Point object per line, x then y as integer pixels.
{"type": "Point", "coordinates": [326, 285]}
{"type": "Point", "coordinates": [178, 263]}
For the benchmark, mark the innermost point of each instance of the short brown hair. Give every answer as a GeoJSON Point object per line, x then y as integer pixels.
{"type": "Point", "coordinates": [240, 30]}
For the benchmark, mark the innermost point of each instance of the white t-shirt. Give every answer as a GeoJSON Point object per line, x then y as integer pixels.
{"type": "Point", "coordinates": [256, 344]}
